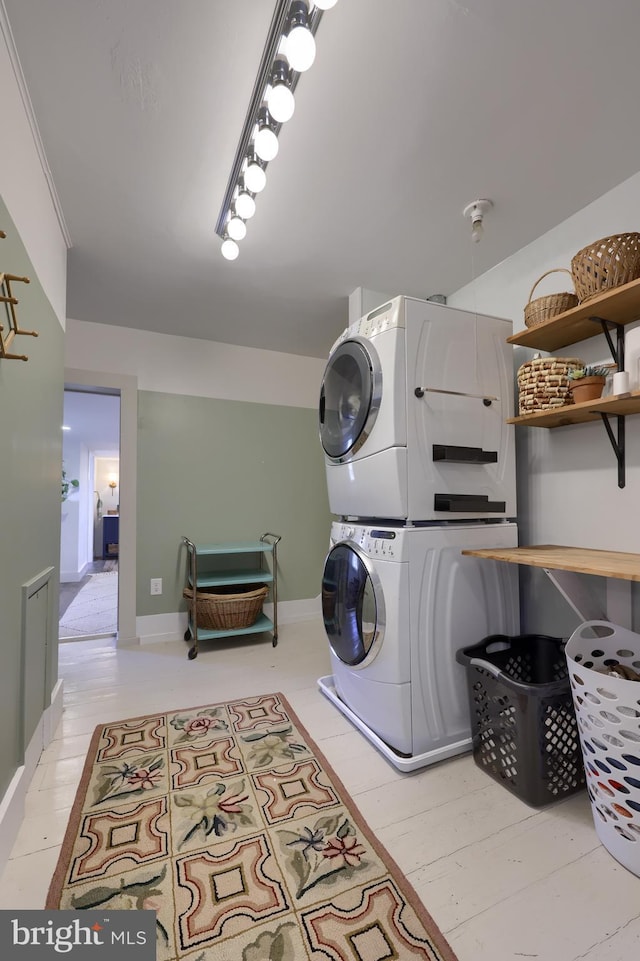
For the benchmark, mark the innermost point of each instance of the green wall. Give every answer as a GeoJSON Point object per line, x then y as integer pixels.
{"type": "Point", "coordinates": [220, 470]}
{"type": "Point", "coordinates": [31, 397]}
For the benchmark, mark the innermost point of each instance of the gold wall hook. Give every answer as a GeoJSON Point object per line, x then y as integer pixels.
{"type": "Point", "coordinates": [13, 327]}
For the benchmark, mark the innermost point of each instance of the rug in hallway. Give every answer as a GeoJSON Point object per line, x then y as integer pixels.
{"type": "Point", "coordinates": [229, 822]}
{"type": "Point", "coordinates": [95, 609]}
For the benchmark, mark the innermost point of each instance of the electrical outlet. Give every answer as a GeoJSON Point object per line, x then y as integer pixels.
{"type": "Point", "coordinates": [156, 585]}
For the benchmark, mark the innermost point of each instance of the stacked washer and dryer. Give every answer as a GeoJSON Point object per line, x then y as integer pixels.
{"type": "Point", "coordinates": [420, 465]}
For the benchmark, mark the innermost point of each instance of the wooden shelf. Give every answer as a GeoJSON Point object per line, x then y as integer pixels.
{"type": "Point", "coordinates": [263, 623]}
{"type": "Point", "coordinates": [621, 305]}
{"type": "Point", "coordinates": [235, 547]}
{"type": "Point", "coordinates": [220, 578]}
{"type": "Point", "coordinates": [589, 410]}
{"type": "Point", "coordinates": [582, 560]}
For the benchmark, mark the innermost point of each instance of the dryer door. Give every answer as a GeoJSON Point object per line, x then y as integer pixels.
{"type": "Point", "coordinates": [352, 605]}
{"type": "Point", "coordinates": [349, 398]}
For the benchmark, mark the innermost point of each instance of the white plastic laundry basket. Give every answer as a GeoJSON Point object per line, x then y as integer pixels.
{"type": "Point", "coordinates": [608, 713]}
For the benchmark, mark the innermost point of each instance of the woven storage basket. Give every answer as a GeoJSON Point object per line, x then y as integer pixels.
{"type": "Point", "coordinates": [227, 608]}
{"type": "Point", "coordinates": [543, 383]}
{"type": "Point", "coordinates": [544, 308]}
{"type": "Point", "coordinates": [606, 263]}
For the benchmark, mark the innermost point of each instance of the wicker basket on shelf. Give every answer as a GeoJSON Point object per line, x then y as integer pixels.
{"type": "Point", "coordinates": [229, 607]}
{"type": "Point", "coordinates": [606, 263]}
{"type": "Point", "coordinates": [544, 308]}
{"type": "Point", "coordinates": [543, 383]}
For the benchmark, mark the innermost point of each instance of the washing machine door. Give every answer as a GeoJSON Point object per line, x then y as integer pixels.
{"type": "Point", "coordinates": [349, 398]}
{"type": "Point", "coordinates": [352, 605]}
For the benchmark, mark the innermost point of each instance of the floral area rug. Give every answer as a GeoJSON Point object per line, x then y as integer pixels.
{"type": "Point", "coordinates": [229, 823]}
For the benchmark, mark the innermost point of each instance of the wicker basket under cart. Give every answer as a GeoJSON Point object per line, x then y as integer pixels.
{"type": "Point", "coordinates": [605, 682]}
{"type": "Point", "coordinates": [227, 607]}
{"type": "Point", "coordinates": [543, 383]}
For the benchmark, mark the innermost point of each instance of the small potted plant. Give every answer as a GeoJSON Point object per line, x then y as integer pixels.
{"type": "Point", "coordinates": [587, 383]}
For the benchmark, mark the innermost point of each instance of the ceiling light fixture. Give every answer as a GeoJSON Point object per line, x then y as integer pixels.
{"type": "Point", "coordinates": [289, 51]}
{"type": "Point", "coordinates": [476, 211]}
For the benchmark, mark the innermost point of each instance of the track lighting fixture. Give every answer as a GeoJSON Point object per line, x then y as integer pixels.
{"type": "Point", "coordinates": [289, 50]}
{"type": "Point", "coordinates": [476, 211]}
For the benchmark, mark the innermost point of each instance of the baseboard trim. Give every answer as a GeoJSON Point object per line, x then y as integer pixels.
{"type": "Point", "coordinates": [53, 714]}
{"type": "Point", "coordinates": [12, 804]}
{"type": "Point", "coordinates": [73, 577]}
{"type": "Point", "coordinates": [158, 628]}
{"type": "Point", "coordinates": [12, 812]}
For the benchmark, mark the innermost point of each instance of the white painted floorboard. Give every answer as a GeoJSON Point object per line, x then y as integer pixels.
{"type": "Point", "coordinates": [504, 881]}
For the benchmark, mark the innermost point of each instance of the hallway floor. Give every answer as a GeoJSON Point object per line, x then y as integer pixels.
{"type": "Point", "coordinates": [70, 589]}
{"type": "Point", "coordinates": [504, 881]}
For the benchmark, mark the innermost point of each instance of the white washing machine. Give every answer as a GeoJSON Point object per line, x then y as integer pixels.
{"type": "Point", "coordinates": [412, 412]}
{"type": "Point", "coordinates": [398, 602]}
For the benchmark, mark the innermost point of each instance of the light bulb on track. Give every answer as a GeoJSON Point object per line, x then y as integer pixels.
{"type": "Point", "coordinates": [255, 178]}
{"type": "Point", "coordinates": [280, 99]}
{"type": "Point", "coordinates": [236, 228]}
{"type": "Point", "coordinates": [301, 45]}
{"type": "Point", "coordinates": [229, 249]}
{"type": "Point", "coordinates": [244, 205]}
{"type": "Point", "coordinates": [265, 141]}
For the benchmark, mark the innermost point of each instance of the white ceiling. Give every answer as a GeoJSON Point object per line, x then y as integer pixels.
{"type": "Point", "coordinates": [93, 421]}
{"type": "Point", "coordinates": [412, 109]}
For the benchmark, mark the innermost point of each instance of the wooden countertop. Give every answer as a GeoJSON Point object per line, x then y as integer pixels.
{"type": "Point", "coordinates": [582, 560]}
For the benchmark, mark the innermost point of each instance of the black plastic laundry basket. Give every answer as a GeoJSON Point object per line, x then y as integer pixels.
{"type": "Point", "coordinates": [524, 728]}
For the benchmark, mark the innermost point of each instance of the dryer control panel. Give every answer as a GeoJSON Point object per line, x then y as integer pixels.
{"type": "Point", "coordinates": [388, 316]}
{"type": "Point", "coordinates": [374, 541]}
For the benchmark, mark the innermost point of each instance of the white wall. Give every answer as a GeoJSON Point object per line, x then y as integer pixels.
{"type": "Point", "coordinates": [25, 179]}
{"type": "Point", "coordinates": [197, 368]}
{"type": "Point", "coordinates": [567, 477]}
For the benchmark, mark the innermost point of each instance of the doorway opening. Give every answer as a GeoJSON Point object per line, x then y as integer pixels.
{"type": "Point", "coordinates": [90, 541]}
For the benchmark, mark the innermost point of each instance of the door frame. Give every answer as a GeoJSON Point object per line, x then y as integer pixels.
{"type": "Point", "coordinates": [128, 388]}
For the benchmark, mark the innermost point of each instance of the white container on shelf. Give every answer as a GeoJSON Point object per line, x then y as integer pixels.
{"type": "Point", "coordinates": [621, 382]}
{"type": "Point", "coordinates": [632, 357]}
{"type": "Point", "coordinates": [608, 714]}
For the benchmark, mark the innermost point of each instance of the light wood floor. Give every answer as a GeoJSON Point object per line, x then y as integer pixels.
{"type": "Point", "coordinates": [503, 880]}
